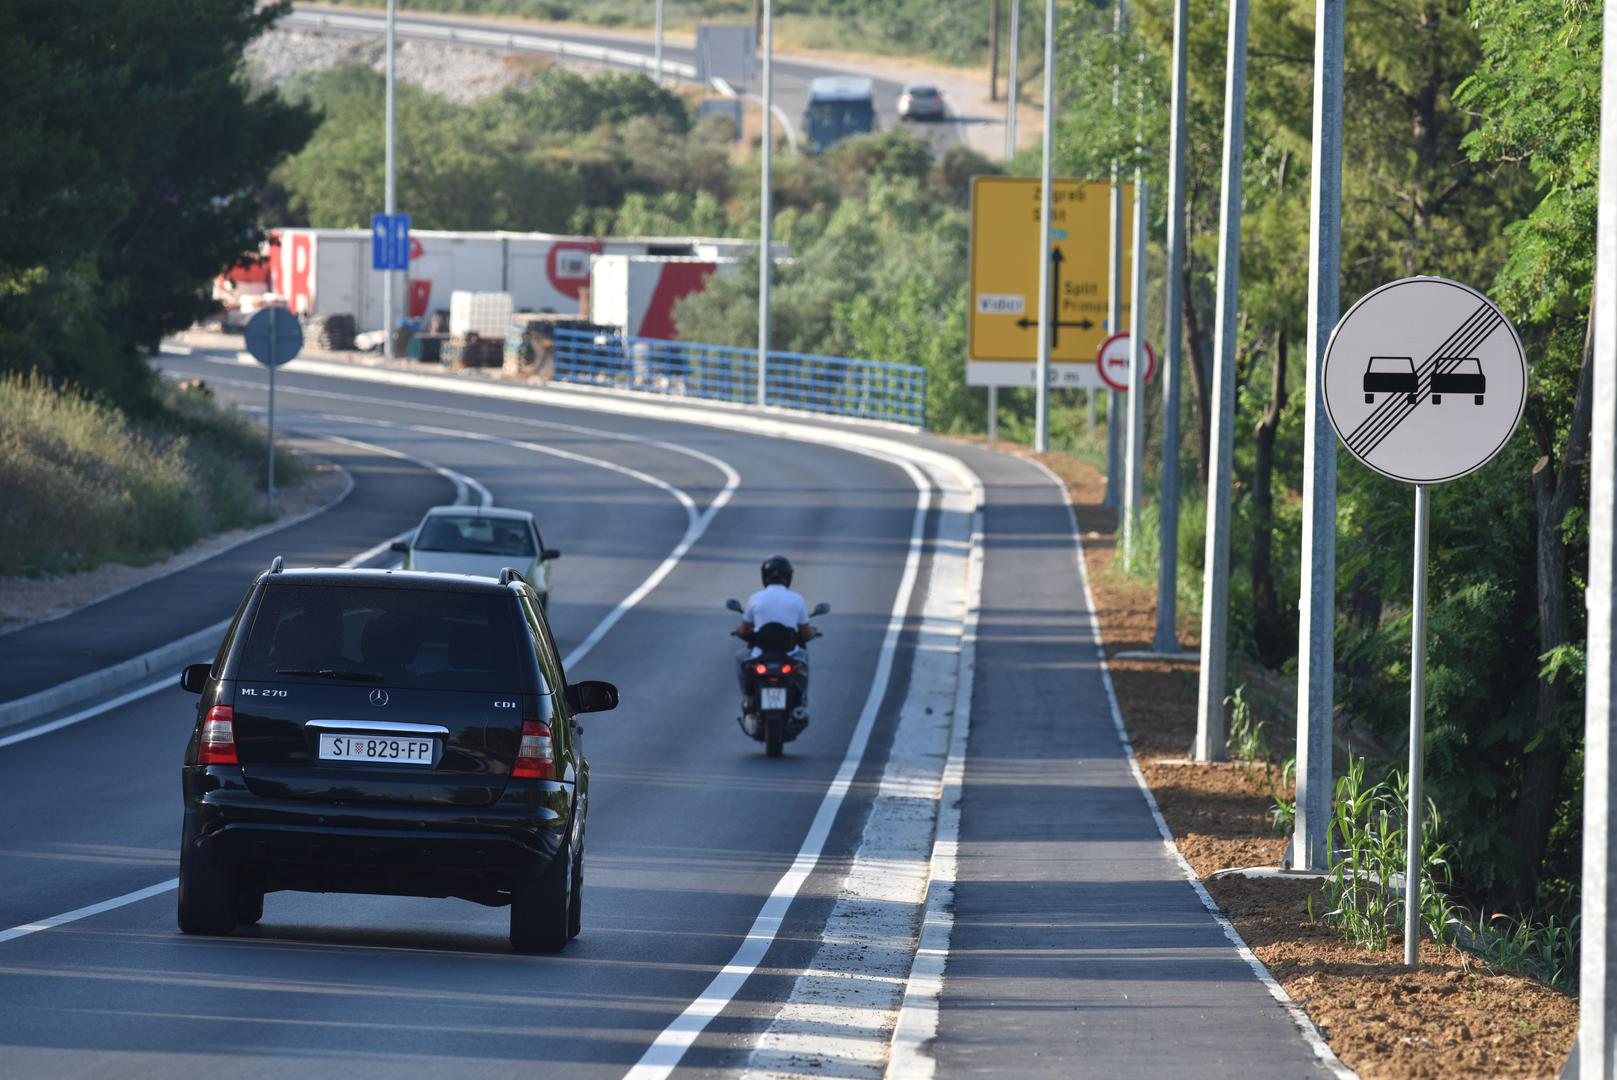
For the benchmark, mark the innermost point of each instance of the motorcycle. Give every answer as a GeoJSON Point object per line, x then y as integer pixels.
{"type": "Point", "coordinates": [776, 682]}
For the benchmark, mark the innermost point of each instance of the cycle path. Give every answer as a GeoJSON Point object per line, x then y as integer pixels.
{"type": "Point", "coordinates": [1079, 947]}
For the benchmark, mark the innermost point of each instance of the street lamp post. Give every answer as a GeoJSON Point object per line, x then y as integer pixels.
{"type": "Point", "coordinates": [1041, 418]}
{"type": "Point", "coordinates": [387, 190]}
{"type": "Point", "coordinates": [764, 223]}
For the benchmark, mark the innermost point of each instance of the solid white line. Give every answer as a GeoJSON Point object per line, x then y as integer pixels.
{"type": "Point", "coordinates": [94, 909]}
{"type": "Point", "coordinates": [1311, 1034]}
{"type": "Point", "coordinates": [917, 1023]}
{"type": "Point", "coordinates": [94, 710]}
{"type": "Point", "coordinates": [666, 1051]}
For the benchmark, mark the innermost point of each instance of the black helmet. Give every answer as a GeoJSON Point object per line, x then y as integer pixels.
{"type": "Point", "coordinates": [777, 569]}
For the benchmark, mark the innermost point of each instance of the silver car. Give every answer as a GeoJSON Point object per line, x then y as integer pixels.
{"type": "Point", "coordinates": [480, 541]}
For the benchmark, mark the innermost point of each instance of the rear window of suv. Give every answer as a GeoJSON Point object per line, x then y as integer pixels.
{"type": "Point", "coordinates": [423, 639]}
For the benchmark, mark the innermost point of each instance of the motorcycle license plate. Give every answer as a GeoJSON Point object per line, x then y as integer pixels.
{"type": "Point", "coordinates": [772, 697]}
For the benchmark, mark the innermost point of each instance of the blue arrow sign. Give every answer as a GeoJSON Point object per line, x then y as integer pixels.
{"type": "Point", "coordinates": [390, 241]}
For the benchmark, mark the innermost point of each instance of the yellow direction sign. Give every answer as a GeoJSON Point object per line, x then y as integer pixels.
{"type": "Point", "coordinates": [1003, 315]}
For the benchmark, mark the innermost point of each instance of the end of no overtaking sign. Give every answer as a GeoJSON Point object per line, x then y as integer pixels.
{"type": "Point", "coordinates": [1424, 380]}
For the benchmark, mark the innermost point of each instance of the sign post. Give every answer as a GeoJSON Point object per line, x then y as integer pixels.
{"type": "Point", "coordinates": [1424, 381]}
{"type": "Point", "coordinates": [1002, 319]}
{"type": "Point", "coordinates": [273, 337]}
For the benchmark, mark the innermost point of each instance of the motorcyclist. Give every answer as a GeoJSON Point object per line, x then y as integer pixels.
{"type": "Point", "coordinates": [774, 603]}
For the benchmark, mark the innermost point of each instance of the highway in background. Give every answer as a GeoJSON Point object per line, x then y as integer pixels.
{"type": "Point", "coordinates": [792, 75]}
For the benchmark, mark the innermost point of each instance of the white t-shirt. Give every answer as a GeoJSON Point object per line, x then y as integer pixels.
{"type": "Point", "coordinates": [776, 604]}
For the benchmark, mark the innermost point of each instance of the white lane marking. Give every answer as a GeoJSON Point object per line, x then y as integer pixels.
{"type": "Point", "coordinates": [1311, 1035]}
{"type": "Point", "coordinates": [697, 521]}
{"type": "Point", "coordinates": [697, 525]}
{"type": "Point", "coordinates": [463, 485]}
{"type": "Point", "coordinates": [917, 1022]}
{"type": "Point", "coordinates": [94, 710]}
{"type": "Point", "coordinates": [666, 1051]}
{"type": "Point", "coordinates": [94, 909]}
{"type": "Point", "coordinates": [719, 464]}
{"type": "Point", "coordinates": [843, 1007]}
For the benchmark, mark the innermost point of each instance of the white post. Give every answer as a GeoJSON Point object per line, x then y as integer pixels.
{"type": "Point", "coordinates": [1210, 737]}
{"type": "Point", "coordinates": [1010, 96]}
{"type": "Point", "coordinates": [1114, 280]}
{"type": "Point", "coordinates": [387, 192]}
{"type": "Point", "coordinates": [765, 254]}
{"type": "Point", "coordinates": [1041, 414]}
{"type": "Point", "coordinates": [1166, 638]}
{"type": "Point", "coordinates": [993, 414]}
{"type": "Point", "coordinates": [1417, 728]}
{"type": "Point", "coordinates": [1317, 615]}
{"type": "Point", "coordinates": [1597, 983]}
{"type": "Point", "coordinates": [1134, 467]}
{"type": "Point", "coordinates": [657, 49]}
{"type": "Point", "coordinates": [269, 465]}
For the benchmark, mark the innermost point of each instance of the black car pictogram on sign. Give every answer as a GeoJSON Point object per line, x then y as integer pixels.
{"type": "Point", "coordinates": [1390, 375]}
{"type": "Point", "coordinates": [1464, 378]}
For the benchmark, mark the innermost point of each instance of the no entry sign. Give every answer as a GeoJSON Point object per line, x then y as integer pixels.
{"type": "Point", "coordinates": [1424, 380]}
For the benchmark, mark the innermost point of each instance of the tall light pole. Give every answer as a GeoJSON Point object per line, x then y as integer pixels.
{"type": "Point", "coordinates": [1010, 80]}
{"type": "Point", "coordinates": [1210, 744]}
{"type": "Point", "coordinates": [1597, 985]}
{"type": "Point", "coordinates": [387, 191]}
{"type": "Point", "coordinates": [1316, 653]}
{"type": "Point", "coordinates": [1166, 639]}
{"type": "Point", "coordinates": [765, 258]}
{"type": "Point", "coordinates": [1114, 278]}
{"type": "Point", "coordinates": [1041, 417]}
{"type": "Point", "coordinates": [1134, 463]}
{"type": "Point", "coordinates": [657, 49]}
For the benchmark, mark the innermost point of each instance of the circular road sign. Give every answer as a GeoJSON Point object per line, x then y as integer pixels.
{"type": "Point", "coordinates": [1112, 361]}
{"type": "Point", "coordinates": [1424, 380]}
{"type": "Point", "coordinates": [273, 336]}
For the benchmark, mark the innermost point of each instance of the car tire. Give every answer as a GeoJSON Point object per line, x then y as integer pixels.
{"type": "Point", "coordinates": [542, 904]}
{"type": "Point", "coordinates": [249, 906]}
{"type": "Point", "coordinates": [207, 895]}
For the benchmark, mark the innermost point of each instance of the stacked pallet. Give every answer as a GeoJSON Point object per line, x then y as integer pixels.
{"type": "Point", "coordinates": [473, 351]}
{"type": "Point", "coordinates": [334, 333]}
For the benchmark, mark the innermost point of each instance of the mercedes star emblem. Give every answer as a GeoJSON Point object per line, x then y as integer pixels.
{"type": "Point", "coordinates": [378, 697]}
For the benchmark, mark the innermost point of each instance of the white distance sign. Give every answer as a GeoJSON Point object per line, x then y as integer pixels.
{"type": "Point", "coordinates": [1425, 380]}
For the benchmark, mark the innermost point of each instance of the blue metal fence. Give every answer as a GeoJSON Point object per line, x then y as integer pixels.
{"type": "Point", "coordinates": [833, 385]}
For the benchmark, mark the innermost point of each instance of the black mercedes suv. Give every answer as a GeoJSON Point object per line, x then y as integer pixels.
{"type": "Point", "coordinates": [379, 731]}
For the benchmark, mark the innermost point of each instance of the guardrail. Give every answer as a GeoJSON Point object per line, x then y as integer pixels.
{"type": "Point", "coordinates": [829, 385]}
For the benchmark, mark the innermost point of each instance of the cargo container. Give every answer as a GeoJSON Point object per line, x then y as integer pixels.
{"type": "Point", "coordinates": [637, 293]}
{"type": "Point", "coordinates": [328, 271]}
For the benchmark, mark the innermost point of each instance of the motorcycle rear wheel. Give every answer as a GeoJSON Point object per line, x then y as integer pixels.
{"type": "Point", "coordinates": [774, 734]}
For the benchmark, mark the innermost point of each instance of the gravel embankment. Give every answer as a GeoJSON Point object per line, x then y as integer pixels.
{"type": "Point", "coordinates": [460, 74]}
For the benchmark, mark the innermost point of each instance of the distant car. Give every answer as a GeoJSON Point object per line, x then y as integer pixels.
{"type": "Point", "coordinates": [1390, 375]}
{"type": "Point", "coordinates": [920, 101]}
{"type": "Point", "coordinates": [1464, 378]}
{"type": "Point", "coordinates": [481, 541]}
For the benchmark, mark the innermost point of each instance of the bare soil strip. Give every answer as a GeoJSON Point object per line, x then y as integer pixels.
{"type": "Point", "coordinates": [1454, 1017]}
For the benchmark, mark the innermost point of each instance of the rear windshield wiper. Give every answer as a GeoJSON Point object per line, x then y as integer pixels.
{"type": "Point", "coordinates": [328, 673]}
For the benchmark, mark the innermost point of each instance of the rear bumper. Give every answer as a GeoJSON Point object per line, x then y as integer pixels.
{"type": "Point", "coordinates": [411, 850]}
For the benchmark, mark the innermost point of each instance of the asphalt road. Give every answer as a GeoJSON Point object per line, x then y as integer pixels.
{"type": "Point", "coordinates": [691, 826]}
{"type": "Point", "coordinates": [791, 76]}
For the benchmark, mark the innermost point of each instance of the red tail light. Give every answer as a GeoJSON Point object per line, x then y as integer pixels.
{"type": "Point", "coordinates": [218, 745]}
{"type": "Point", "coordinates": [761, 668]}
{"type": "Point", "coordinates": [536, 757]}
{"type": "Point", "coordinates": [786, 669]}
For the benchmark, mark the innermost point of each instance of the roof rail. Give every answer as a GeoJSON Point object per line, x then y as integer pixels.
{"type": "Point", "coordinates": [508, 574]}
{"type": "Point", "coordinates": [275, 565]}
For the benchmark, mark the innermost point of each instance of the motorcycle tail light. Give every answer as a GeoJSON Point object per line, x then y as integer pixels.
{"type": "Point", "coordinates": [786, 669]}
{"type": "Point", "coordinates": [761, 668]}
